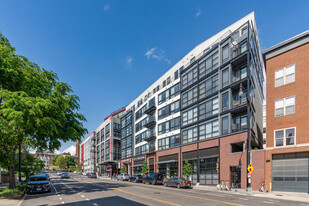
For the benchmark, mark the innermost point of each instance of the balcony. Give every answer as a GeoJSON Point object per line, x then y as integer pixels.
{"type": "Point", "coordinates": [239, 100]}
{"type": "Point", "coordinates": [151, 108]}
{"type": "Point", "coordinates": [151, 147]}
{"type": "Point", "coordinates": [150, 135]}
{"type": "Point", "coordinates": [239, 74]}
{"type": "Point", "coordinates": [150, 121]}
{"type": "Point", "coordinates": [239, 123]}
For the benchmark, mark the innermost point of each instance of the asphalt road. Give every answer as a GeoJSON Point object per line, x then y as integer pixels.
{"type": "Point", "coordinates": [79, 191]}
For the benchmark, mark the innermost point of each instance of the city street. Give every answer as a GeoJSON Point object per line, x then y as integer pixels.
{"type": "Point", "coordinates": [79, 190]}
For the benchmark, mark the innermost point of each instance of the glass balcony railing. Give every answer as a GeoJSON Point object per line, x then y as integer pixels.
{"type": "Point", "coordinates": [239, 74]}
{"type": "Point", "coordinates": [239, 100]}
{"type": "Point", "coordinates": [150, 121]}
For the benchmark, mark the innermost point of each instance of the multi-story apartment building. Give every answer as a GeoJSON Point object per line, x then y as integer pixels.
{"type": "Point", "coordinates": [206, 109]}
{"type": "Point", "coordinates": [108, 134]}
{"type": "Point", "coordinates": [264, 123]}
{"type": "Point", "coordinates": [87, 153]}
{"type": "Point", "coordinates": [287, 143]}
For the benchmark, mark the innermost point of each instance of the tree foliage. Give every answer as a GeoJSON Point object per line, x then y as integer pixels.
{"type": "Point", "coordinates": [145, 169]}
{"type": "Point", "coordinates": [55, 159]}
{"type": "Point", "coordinates": [35, 107]}
{"type": "Point", "coordinates": [61, 163]}
{"type": "Point", "coordinates": [123, 169]}
{"type": "Point", "coordinates": [31, 165]}
{"type": "Point", "coordinates": [78, 167]}
{"type": "Point", "coordinates": [69, 161]}
{"type": "Point", "coordinates": [187, 169]}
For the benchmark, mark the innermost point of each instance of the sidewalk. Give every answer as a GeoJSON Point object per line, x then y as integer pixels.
{"type": "Point", "coordinates": [302, 197]}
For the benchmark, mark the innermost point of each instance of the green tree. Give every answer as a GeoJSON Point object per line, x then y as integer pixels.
{"type": "Point", "coordinates": [78, 167]}
{"type": "Point", "coordinates": [123, 169]}
{"type": "Point", "coordinates": [31, 165]}
{"type": "Point", "coordinates": [145, 168]}
{"type": "Point", "coordinates": [55, 159]}
{"type": "Point", "coordinates": [35, 108]}
{"type": "Point", "coordinates": [61, 163]}
{"type": "Point", "coordinates": [69, 161]}
{"type": "Point", "coordinates": [187, 169]}
{"type": "Point", "coordinates": [95, 169]}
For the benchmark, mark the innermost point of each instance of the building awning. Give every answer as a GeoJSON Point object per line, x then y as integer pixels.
{"type": "Point", "coordinates": [167, 161]}
{"type": "Point", "coordinates": [137, 165]}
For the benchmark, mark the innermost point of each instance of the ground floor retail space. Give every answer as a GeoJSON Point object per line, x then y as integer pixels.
{"type": "Point", "coordinates": [210, 162]}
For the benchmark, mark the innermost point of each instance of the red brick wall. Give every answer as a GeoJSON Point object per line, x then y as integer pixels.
{"type": "Point", "coordinates": [257, 176]}
{"type": "Point", "coordinates": [228, 159]}
{"type": "Point", "coordinates": [300, 119]}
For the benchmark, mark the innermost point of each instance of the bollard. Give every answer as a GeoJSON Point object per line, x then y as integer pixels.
{"type": "Point", "coordinates": [270, 187]}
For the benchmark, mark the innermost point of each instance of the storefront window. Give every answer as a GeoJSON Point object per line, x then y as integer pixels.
{"type": "Point", "coordinates": [208, 171]}
{"type": "Point", "coordinates": [168, 169]}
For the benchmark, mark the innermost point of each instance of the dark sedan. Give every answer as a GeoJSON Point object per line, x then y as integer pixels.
{"type": "Point", "coordinates": [153, 178]}
{"type": "Point", "coordinates": [136, 178]}
{"type": "Point", "coordinates": [38, 183]}
{"type": "Point", "coordinates": [177, 182]}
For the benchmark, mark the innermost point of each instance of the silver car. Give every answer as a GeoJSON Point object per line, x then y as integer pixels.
{"type": "Point", "coordinates": [123, 177]}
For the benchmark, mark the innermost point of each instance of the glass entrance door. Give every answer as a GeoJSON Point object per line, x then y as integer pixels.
{"type": "Point", "coordinates": [236, 177]}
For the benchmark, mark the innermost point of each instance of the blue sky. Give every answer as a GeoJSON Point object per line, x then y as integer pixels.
{"type": "Point", "coordinates": [100, 47]}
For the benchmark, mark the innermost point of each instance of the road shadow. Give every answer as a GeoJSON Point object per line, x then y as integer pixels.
{"type": "Point", "coordinates": [106, 201]}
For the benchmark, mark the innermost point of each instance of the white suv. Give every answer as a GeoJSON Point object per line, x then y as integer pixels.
{"type": "Point", "coordinates": [123, 177]}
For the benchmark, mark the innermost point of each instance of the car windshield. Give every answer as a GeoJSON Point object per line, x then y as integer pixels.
{"type": "Point", "coordinates": [38, 178]}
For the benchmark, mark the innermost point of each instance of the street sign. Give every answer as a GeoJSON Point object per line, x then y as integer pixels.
{"type": "Point", "coordinates": [250, 168]}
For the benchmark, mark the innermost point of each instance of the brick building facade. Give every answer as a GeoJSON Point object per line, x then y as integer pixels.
{"type": "Point", "coordinates": [287, 143]}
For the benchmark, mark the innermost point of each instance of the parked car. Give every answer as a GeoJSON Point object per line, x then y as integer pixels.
{"type": "Point", "coordinates": [153, 178]}
{"type": "Point", "coordinates": [84, 173]}
{"type": "Point", "coordinates": [59, 173]}
{"type": "Point", "coordinates": [136, 178]}
{"type": "Point", "coordinates": [88, 173]}
{"type": "Point", "coordinates": [44, 173]}
{"type": "Point", "coordinates": [177, 182]}
{"type": "Point", "coordinates": [123, 177]}
{"type": "Point", "coordinates": [80, 173]}
{"type": "Point", "coordinates": [92, 175]}
{"type": "Point", "coordinates": [38, 183]}
{"type": "Point", "coordinates": [65, 175]}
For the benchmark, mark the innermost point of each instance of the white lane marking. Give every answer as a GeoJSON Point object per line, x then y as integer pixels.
{"type": "Point", "coordinates": [82, 196]}
{"type": "Point", "coordinates": [78, 193]}
{"type": "Point", "coordinates": [67, 186]}
{"type": "Point", "coordinates": [243, 198]}
{"type": "Point", "coordinates": [54, 188]}
{"type": "Point", "coordinates": [60, 198]}
{"type": "Point", "coordinates": [94, 204]}
{"type": "Point", "coordinates": [62, 202]}
{"type": "Point", "coordinates": [273, 200]}
{"type": "Point", "coordinates": [58, 195]}
{"type": "Point", "coordinates": [87, 199]}
{"type": "Point", "coordinates": [269, 202]}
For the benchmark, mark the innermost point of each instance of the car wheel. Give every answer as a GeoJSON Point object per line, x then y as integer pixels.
{"type": "Point", "coordinates": [178, 186]}
{"type": "Point", "coordinates": [165, 184]}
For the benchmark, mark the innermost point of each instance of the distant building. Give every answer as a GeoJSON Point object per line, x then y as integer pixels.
{"type": "Point", "coordinates": [78, 151]}
{"type": "Point", "coordinates": [108, 134]}
{"type": "Point", "coordinates": [48, 156]}
{"type": "Point", "coordinates": [87, 153]}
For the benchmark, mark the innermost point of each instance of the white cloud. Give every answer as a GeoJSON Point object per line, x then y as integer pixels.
{"type": "Point", "coordinates": [106, 7]}
{"type": "Point", "coordinates": [198, 13]}
{"type": "Point", "coordinates": [71, 149]}
{"type": "Point", "coordinates": [129, 61]}
{"type": "Point", "coordinates": [156, 53]}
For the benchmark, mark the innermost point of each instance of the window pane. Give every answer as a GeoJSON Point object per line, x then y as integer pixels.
{"type": "Point", "coordinates": [225, 101]}
{"type": "Point", "coordinates": [279, 137]}
{"type": "Point", "coordinates": [290, 74]}
{"type": "Point", "coordinates": [289, 136]}
{"type": "Point", "coordinates": [225, 77]}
